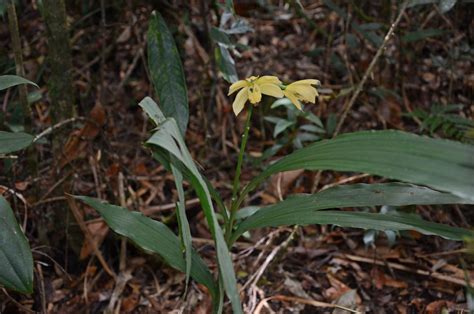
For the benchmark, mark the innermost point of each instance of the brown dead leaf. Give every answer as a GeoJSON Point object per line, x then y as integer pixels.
{"type": "Point", "coordinates": [382, 280]}
{"type": "Point", "coordinates": [140, 169]}
{"type": "Point", "coordinates": [113, 170]}
{"type": "Point", "coordinates": [439, 306]}
{"type": "Point", "coordinates": [124, 35]}
{"type": "Point", "coordinates": [78, 140]}
{"type": "Point", "coordinates": [281, 183]}
{"type": "Point", "coordinates": [337, 289]}
{"type": "Point", "coordinates": [21, 186]}
{"type": "Point", "coordinates": [99, 231]}
{"type": "Point", "coordinates": [130, 302]}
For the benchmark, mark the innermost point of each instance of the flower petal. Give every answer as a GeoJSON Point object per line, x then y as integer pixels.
{"type": "Point", "coordinates": [303, 92]}
{"type": "Point", "coordinates": [292, 97]}
{"type": "Point", "coordinates": [255, 95]}
{"type": "Point", "coordinates": [271, 90]}
{"type": "Point", "coordinates": [306, 82]}
{"type": "Point", "coordinates": [236, 86]}
{"type": "Point", "coordinates": [240, 101]}
{"type": "Point", "coordinates": [268, 79]}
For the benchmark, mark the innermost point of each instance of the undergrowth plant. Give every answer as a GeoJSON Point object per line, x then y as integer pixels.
{"type": "Point", "coordinates": [288, 130]}
{"type": "Point", "coordinates": [421, 170]}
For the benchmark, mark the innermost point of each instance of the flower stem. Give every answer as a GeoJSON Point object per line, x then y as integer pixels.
{"type": "Point", "coordinates": [238, 169]}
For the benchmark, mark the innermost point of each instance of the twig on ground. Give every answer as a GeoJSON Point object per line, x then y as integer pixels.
{"type": "Point", "coordinates": [41, 289]}
{"type": "Point", "coordinates": [57, 126]}
{"type": "Point", "coordinates": [447, 278]}
{"type": "Point", "coordinates": [148, 211]}
{"type": "Point", "coordinates": [346, 180]}
{"type": "Point", "coordinates": [259, 273]}
{"type": "Point", "coordinates": [314, 303]}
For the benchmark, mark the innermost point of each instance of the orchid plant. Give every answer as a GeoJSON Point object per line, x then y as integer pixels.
{"type": "Point", "coordinates": [418, 169]}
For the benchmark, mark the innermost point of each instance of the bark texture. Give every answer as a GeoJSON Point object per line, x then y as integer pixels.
{"type": "Point", "coordinates": [60, 62]}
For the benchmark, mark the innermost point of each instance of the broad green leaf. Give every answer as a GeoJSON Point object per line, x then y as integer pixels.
{"type": "Point", "coordinates": [167, 72]}
{"type": "Point", "coordinates": [168, 138]}
{"type": "Point", "coordinates": [16, 271]}
{"type": "Point", "coordinates": [305, 209]}
{"type": "Point", "coordinates": [7, 81]}
{"type": "Point", "coordinates": [226, 64]}
{"type": "Point", "coordinates": [440, 164]}
{"type": "Point", "coordinates": [11, 142]}
{"type": "Point", "coordinates": [184, 230]}
{"type": "Point", "coordinates": [152, 236]}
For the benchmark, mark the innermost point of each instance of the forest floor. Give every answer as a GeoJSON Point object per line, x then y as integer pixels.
{"type": "Point", "coordinates": [297, 266]}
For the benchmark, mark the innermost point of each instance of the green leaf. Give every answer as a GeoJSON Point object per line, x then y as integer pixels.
{"type": "Point", "coordinates": [168, 138]}
{"type": "Point", "coordinates": [305, 209]}
{"type": "Point", "coordinates": [7, 81]}
{"type": "Point", "coordinates": [281, 126]}
{"type": "Point", "coordinates": [226, 64]}
{"type": "Point", "coordinates": [440, 164]}
{"type": "Point", "coordinates": [184, 229]}
{"type": "Point", "coordinates": [16, 271]}
{"type": "Point", "coordinates": [152, 236]}
{"type": "Point", "coordinates": [312, 128]}
{"type": "Point", "coordinates": [167, 71]}
{"type": "Point", "coordinates": [11, 142]}
{"type": "Point", "coordinates": [387, 222]}
{"type": "Point", "coordinates": [422, 34]}
{"type": "Point", "coordinates": [219, 36]}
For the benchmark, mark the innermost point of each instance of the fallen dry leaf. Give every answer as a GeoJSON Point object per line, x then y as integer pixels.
{"type": "Point", "coordinates": [78, 140]}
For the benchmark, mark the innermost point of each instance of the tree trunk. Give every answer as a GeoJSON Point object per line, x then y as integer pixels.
{"type": "Point", "coordinates": [60, 62]}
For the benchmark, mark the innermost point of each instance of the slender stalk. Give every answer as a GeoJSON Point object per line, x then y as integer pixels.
{"type": "Point", "coordinates": [238, 170]}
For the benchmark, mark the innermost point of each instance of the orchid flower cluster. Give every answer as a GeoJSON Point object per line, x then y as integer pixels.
{"type": "Point", "coordinates": [253, 87]}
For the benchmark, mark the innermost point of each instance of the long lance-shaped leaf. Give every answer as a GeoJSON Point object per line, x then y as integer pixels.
{"type": "Point", "coordinates": [440, 164]}
{"type": "Point", "coordinates": [168, 138]}
{"type": "Point", "coordinates": [167, 71]}
{"type": "Point", "coordinates": [11, 142]}
{"type": "Point", "coordinates": [150, 107]}
{"type": "Point", "coordinates": [152, 236]}
{"type": "Point", "coordinates": [184, 229]}
{"type": "Point", "coordinates": [16, 271]}
{"type": "Point", "coordinates": [306, 209]}
{"type": "Point", "coordinates": [7, 81]}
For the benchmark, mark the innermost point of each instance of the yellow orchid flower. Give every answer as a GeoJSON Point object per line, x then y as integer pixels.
{"type": "Point", "coordinates": [301, 91]}
{"type": "Point", "coordinates": [252, 89]}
